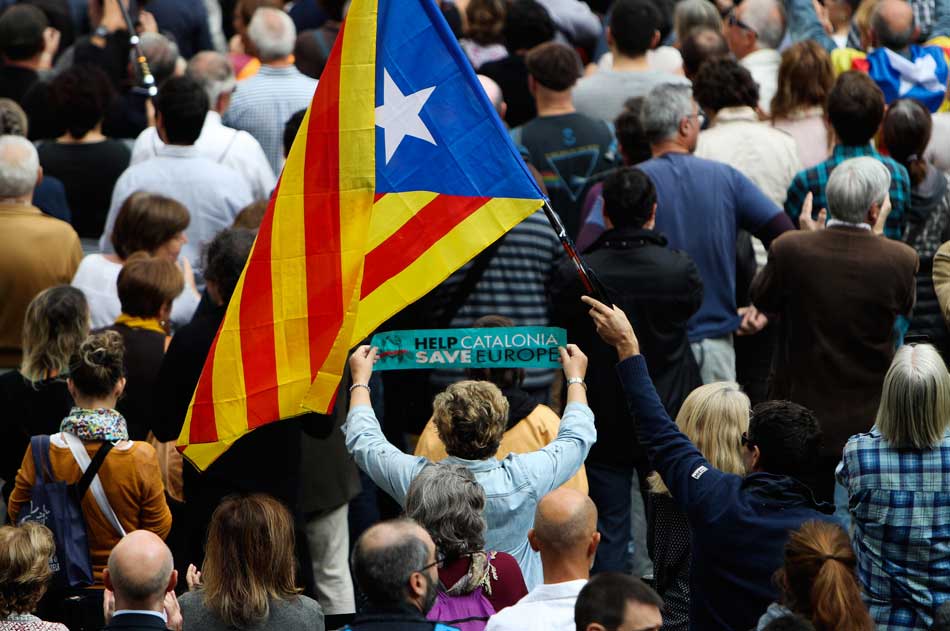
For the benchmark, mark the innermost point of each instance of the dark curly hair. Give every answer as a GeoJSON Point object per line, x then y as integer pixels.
{"type": "Point", "coordinates": [80, 97]}
{"type": "Point", "coordinates": [788, 437]}
{"type": "Point", "coordinates": [722, 83]}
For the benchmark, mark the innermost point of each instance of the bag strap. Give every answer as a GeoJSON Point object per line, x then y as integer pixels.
{"type": "Point", "coordinates": [40, 447]}
{"type": "Point", "coordinates": [86, 465]}
{"type": "Point", "coordinates": [472, 276]}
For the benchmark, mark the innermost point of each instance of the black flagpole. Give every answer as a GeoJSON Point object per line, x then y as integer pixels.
{"type": "Point", "coordinates": [147, 79]}
{"type": "Point", "coordinates": [591, 285]}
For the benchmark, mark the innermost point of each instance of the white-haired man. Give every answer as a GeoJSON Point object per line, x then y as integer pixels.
{"type": "Point", "coordinates": [262, 104]}
{"type": "Point", "coordinates": [754, 30]}
{"type": "Point", "coordinates": [36, 251]}
{"type": "Point", "coordinates": [838, 292]}
{"type": "Point", "coordinates": [231, 147]}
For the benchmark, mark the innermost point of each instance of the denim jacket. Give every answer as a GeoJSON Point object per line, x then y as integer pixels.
{"type": "Point", "coordinates": [513, 486]}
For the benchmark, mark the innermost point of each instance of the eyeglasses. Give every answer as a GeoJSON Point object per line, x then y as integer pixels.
{"type": "Point", "coordinates": [700, 117]}
{"type": "Point", "coordinates": [439, 563]}
{"type": "Point", "coordinates": [735, 21]}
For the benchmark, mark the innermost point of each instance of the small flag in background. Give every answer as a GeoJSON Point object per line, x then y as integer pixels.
{"type": "Point", "coordinates": [401, 172]}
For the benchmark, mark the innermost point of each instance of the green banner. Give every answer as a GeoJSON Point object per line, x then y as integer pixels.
{"type": "Point", "coordinates": [517, 347]}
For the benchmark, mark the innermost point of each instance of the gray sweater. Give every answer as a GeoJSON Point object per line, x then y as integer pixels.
{"type": "Point", "coordinates": [303, 613]}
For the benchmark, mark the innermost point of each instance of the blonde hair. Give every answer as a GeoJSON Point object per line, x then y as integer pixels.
{"type": "Point", "coordinates": [25, 553]}
{"type": "Point", "coordinates": [56, 323]}
{"type": "Point", "coordinates": [470, 418]}
{"type": "Point", "coordinates": [915, 402]}
{"type": "Point", "coordinates": [249, 559]}
{"type": "Point", "coordinates": [714, 417]}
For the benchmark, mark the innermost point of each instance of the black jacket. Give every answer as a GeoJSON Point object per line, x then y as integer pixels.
{"type": "Point", "coordinates": [136, 622]}
{"type": "Point", "coordinates": [144, 351]}
{"type": "Point", "coordinates": [659, 289]}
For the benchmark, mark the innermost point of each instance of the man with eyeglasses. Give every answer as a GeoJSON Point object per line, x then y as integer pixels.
{"type": "Point", "coordinates": [701, 204]}
{"type": "Point", "coordinates": [395, 564]}
{"type": "Point", "coordinates": [739, 524]}
{"type": "Point", "coordinates": [754, 30]}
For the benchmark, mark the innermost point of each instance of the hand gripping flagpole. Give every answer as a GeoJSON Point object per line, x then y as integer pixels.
{"type": "Point", "coordinates": [591, 285]}
{"type": "Point", "coordinates": [147, 79]}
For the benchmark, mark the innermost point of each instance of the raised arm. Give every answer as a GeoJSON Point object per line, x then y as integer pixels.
{"type": "Point", "coordinates": [803, 23]}
{"type": "Point", "coordinates": [387, 466]}
{"type": "Point", "coordinates": [684, 470]}
{"type": "Point", "coordinates": [557, 462]}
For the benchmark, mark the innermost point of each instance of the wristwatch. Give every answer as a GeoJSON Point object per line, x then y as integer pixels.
{"type": "Point", "coordinates": [101, 31]}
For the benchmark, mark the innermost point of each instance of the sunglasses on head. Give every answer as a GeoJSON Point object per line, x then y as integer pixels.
{"type": "Point", "coordinates": [735, 21]}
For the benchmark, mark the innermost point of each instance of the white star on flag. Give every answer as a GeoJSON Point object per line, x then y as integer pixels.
{"type": "Point", "coordinates": [399, 115]}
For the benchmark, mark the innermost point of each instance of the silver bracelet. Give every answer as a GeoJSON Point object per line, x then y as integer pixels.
{"type": "Point", "coordinates": [360, 385]}
{"type": "Point", "coordinates": [574, 380]}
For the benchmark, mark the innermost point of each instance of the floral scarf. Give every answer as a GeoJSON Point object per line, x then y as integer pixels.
{"type": "Point", "coordinates": [101, 424]}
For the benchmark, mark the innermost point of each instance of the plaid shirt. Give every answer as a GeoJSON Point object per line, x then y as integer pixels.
{"type": "Point", "coordinates": [900, 504]}
{"type": "Point", "coordinates": [815, 179]}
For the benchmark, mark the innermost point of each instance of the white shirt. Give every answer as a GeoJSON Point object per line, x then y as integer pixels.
{"type": "Point", "coordinates": [763, 65]}
{"type": "Point", "coordinates": [765, 155]}
{"type": "Point", "coordinates": [97, 278]}
{"type": "Point", "coordinates": [213, 194]}
{"type": "Point", "coordinates": [545, 608]}
{"type": "Point", "coordinates": [224, 145]}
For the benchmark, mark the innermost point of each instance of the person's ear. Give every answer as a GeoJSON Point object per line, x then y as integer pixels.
{"type": "Point", "coordinates": [119, 387]}
{"type": "Point", "coordinates": [873, 213]}
{"type": "Point", "coordinates": [652, 214]}
{"type": "Point", "coordinates": [223, 102]}
{"type": "Point", "coordinates": [172, 582]}
{"type": "Point", "coordinates": [71, 386]}
{"type": "Point", "coordinates": [532, 86]}
{"type": "Point", "coordinates": [533, 541]}
{"type": "Point", "coordinates": [684, 126]}
{"type": "Point", "coordinates": [655, 41]}
{"type": "Point", "coordinates": [756, 457]}
{"type": "Point", "coordinates": [214, 293]}
{"type": "Point", "coordinates": [39, 176]}
{"type": "Point", "coordinates": [592, 547]}
{"type": "Point", "coordinates": [107, 580]}
{"type": "Point", "coordinates": [503, 110]}
{"type": "Point", "coordinates": [610, 38]}
{"type": "Point", "coordinates": [417, 585]}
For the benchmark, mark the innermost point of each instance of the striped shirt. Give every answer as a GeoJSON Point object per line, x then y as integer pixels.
{"type": "Point", "coordinates": [514, 285]}
{"type": "Point", "coordinates": [262, 104]}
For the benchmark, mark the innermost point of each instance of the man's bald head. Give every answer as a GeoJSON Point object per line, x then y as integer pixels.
{"type": "Point", "coordinates": [385, 558]}
{"type": "Point", "coordinates": [565, 521]}
{"type": "Point", "coordinates": [892, 24]}
{"type": "Point", "coordinates": [493, 91]}
{"type": "Point", "coordinates": [140, 570]}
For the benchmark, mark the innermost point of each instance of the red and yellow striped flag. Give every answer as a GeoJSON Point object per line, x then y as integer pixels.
{"type": "Point", "coordinates": [401, 173]}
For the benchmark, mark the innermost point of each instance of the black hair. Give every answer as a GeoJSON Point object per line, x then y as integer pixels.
{"type": "Point", "coordinates": [183, 105]}
{"type": "Point", "coordinates": [527, 24]}
{"type": "Point", "coordinates": [629, 197]}
{"type": "Point", "coordinates": [788, 437]}
{"type": "Point", "coordinates": [722, 83]}
{"type": "Point", "coordinates": [604, 599]}
{"type": "Point", "coordinates": [855, 108]}
{"type": "Point", "coordinates": [791, 622]}
{"type": "Point", "coordinates": [21, 32]}
{"type": "Point", "coordinates": [554, 65]}
{"type": "Point", "coordinates": [633, 23]}
{"type": "Point", "coordinates": [664, 9]}
{"type": "Point", "coordinates": [291, 127]}
{"type": "Point", "coordinates": [629, 132]}
{"type": "Point", "coordinates": [80, 97]}
{"type": "Point", "coordinates": [225, 259]}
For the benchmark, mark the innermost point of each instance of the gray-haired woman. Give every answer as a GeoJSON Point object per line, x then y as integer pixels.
{"type": "Point", "coordinates": [898, 485]}
{"type": "Point", "coordinates": [448, 502]}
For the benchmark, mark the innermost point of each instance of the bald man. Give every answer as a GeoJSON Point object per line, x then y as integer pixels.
{"type": "Point", "coordinates": [565, 534]}
{"type": "Point", "coordinates": [141, 578]}
{"type": "Point", "coordinates": [396, 568]}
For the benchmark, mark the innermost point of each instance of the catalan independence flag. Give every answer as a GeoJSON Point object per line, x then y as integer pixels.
{"type": "Point", "coordinates": [401, 173]}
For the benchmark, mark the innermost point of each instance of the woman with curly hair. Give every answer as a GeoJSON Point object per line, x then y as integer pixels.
{"type": "Point", "coordinates": [83, 158]}
{"type": "Point", "coordinates": [25, 556]}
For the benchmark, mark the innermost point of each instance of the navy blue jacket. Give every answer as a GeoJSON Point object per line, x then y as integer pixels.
{"type": "Point", "coordinates": [740, 524]}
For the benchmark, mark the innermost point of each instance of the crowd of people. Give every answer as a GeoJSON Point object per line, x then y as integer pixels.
{"type": "Point", "coordinates": [751, 427]}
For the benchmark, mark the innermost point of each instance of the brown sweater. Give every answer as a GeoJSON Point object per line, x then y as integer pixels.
{"type": "Point", "coordinates": [133, 485]}
{"type": "Point", "coordinates": [36, 252]}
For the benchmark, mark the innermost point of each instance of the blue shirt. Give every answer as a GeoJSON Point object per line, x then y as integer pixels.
{"type": "Point", "coordinates": [514, 486]}
{"type": "Point", "coordinates": [899, 501]}
{"type": "Point", "coordinates": [701, 204]}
